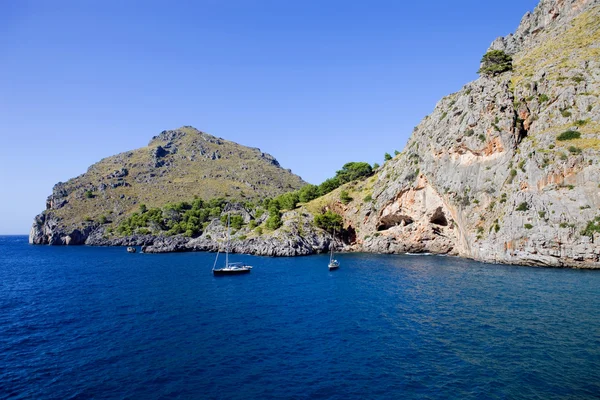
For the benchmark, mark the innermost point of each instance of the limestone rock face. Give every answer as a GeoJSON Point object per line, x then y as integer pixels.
{"type": "Point", "coordinates": [484, 176]}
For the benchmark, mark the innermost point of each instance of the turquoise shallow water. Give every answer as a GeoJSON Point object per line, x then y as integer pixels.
{"type": "Point", "coordinates": [85, 322]}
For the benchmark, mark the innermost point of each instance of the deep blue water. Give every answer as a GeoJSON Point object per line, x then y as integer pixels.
{"type": "Point", "coordinates": [81, 322]}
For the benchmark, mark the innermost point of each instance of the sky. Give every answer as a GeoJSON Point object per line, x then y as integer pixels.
{"type": "Point", "coordinates": [315, 83]}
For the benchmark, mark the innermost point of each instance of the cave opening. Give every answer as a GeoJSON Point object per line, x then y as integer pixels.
{"type": "Point", "coordinates": [439, 218]}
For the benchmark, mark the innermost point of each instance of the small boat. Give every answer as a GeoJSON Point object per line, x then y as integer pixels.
{"type": "Point", "coordinates": [333, 263]}
{"type": "Point", "coordinates": [131, 250]}
{"type": "Point", "coordinates": [234, 268]}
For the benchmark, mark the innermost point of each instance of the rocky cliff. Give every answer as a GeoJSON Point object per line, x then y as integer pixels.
{"type": "Point", "coordinates": [486, 175]}
{"type": "Point", "coordinates": [505, 170]}
{"type": "Point", "coordinates": [177, 165]}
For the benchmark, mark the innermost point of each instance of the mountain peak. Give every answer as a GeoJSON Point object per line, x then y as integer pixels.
{"type": "Point", "coordinates": [549, 15]}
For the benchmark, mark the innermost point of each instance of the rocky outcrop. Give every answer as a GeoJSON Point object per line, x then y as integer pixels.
{"type": "Point", "coordinates": [47, 229]}
{"type": "Point", "coordinates": [488, 160]}
{"type": "Point", "coordinates": [175, 166]}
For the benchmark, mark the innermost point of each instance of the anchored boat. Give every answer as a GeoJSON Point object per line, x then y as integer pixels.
{"type": "Point", "coordinates": [234, 268]}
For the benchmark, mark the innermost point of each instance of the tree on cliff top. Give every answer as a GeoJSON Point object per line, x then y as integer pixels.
{"type": "Point", "coordinates": [495, 62]}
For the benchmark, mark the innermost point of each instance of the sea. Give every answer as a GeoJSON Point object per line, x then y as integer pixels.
{"type": "Point", "coordinates": [100, 323]}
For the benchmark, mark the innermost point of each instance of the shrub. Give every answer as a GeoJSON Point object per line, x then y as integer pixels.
{"type": "Point", "coordinates": [375, 166]}
{"type": "Point", "coordinates": [469, 132]}
{"type": "Point", "coordinates": [481, 137]}
{"type": "Point", "coordinates": [581, 122]}
{"type": "Point", "coordinates": [259, 231]}
{"type": "Point", "coordinates": [542, 98]}
{"type": "Point", "coordinates": [565, 113]}
{"type": "Point", "coordinates": [523, 206]}
{"type": "Point", "coordinates": [528, 226]}
{"type": "Point", "coordinates": [328, 185]}
{"type": "Point", "coordinates": [387, 157]}
{"type": "Point", "coordinates": [353, 170]}
{"type": "Point", "coordinates": [495, 62]}
{"type": "Point", "coordinates": [368, 198]}
{"type": "Point", "coordinates": [89, 194]}
{"type": "Point", "coordinates": [259, 212]}
{"type": "Point", "coordinates": [274, 220]}
{"type": "Point", "coordinates": [592, 227]}
{"type": "Point", "coordinates": [574, 150]}
{"type": "Point", "coordinates": [328, 221]}
{"type": "Point", "coordinates": [345, 197]}
{"type": "Point", "coordinates": [103, 219]}
{"type": "Point", "coordinates": [568, 135]}
{"type": "Point", "coordinates": [308, 193]}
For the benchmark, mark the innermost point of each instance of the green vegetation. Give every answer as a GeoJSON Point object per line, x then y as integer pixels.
{"type": "Point", "coordinates": [528, 226]}
{"type": "Point", "coordinates": [568, 135]}
{"type": "Point", "coordinates": [523, 206]}
{"type": "Point", "coordinates": [368, 198]}
{"type": "Point", "coordinates": [274, 220]}
{"type": "Point", "coordinates": [469, 132]}
{"type": "Point", "coordinates": [566, 113]}
{"type": "Point", "coordinates": [89, 194]}
{"type": "Point", "coordinates": [495, 62]}
{"type": "Point", "coordinates": [574, 150]}
{"type": "Point", "coordinates": [235, 221]}
{"type": "Point", "coordinates": [592, 227]}
{"type": "Point", "coordinates": [542, 98]}
{"type": "Point", "coordinates": [176, 218]}
{"type": "Point", "coordinates": [387, 157]}
{"type": "Point", "coordinates": [345, 197]}
{"type": "Point", "coordinates": [328, 221]}
{"type": "Point", "coordinates": [353, 170]}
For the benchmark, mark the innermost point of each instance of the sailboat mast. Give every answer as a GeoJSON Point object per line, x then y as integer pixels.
{"type": "Point", "coordinates": [332, 241]}
{"type": "Point", "coordinates": [227, 247]}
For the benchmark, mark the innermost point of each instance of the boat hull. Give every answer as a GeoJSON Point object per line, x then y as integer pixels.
{"type": "Point", "coordinates": [230, 272]}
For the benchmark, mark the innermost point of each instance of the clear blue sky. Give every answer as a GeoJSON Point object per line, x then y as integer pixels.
{"type": "Point", "coordinates": [314, 83]}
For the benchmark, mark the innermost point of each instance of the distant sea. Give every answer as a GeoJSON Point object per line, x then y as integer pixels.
{"type": "Point", "coordinates": [86, 322]}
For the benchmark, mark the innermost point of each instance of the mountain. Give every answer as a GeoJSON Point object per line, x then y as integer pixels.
{"type": "Point", "coordinates": [505, 170]}
{"type": "Point", "coordinates": [486, 174]}
{"type": "Point", "coordinates": [175, 166]}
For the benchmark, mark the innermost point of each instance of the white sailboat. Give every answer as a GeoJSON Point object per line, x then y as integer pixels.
{"type": "Point", "coordinates": [230, 268]}
{"type": "Point", "coordinates": [333, 263]}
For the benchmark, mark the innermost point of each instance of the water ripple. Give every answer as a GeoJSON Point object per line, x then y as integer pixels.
{"type": "Point", "coordinates": [100, 323]}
